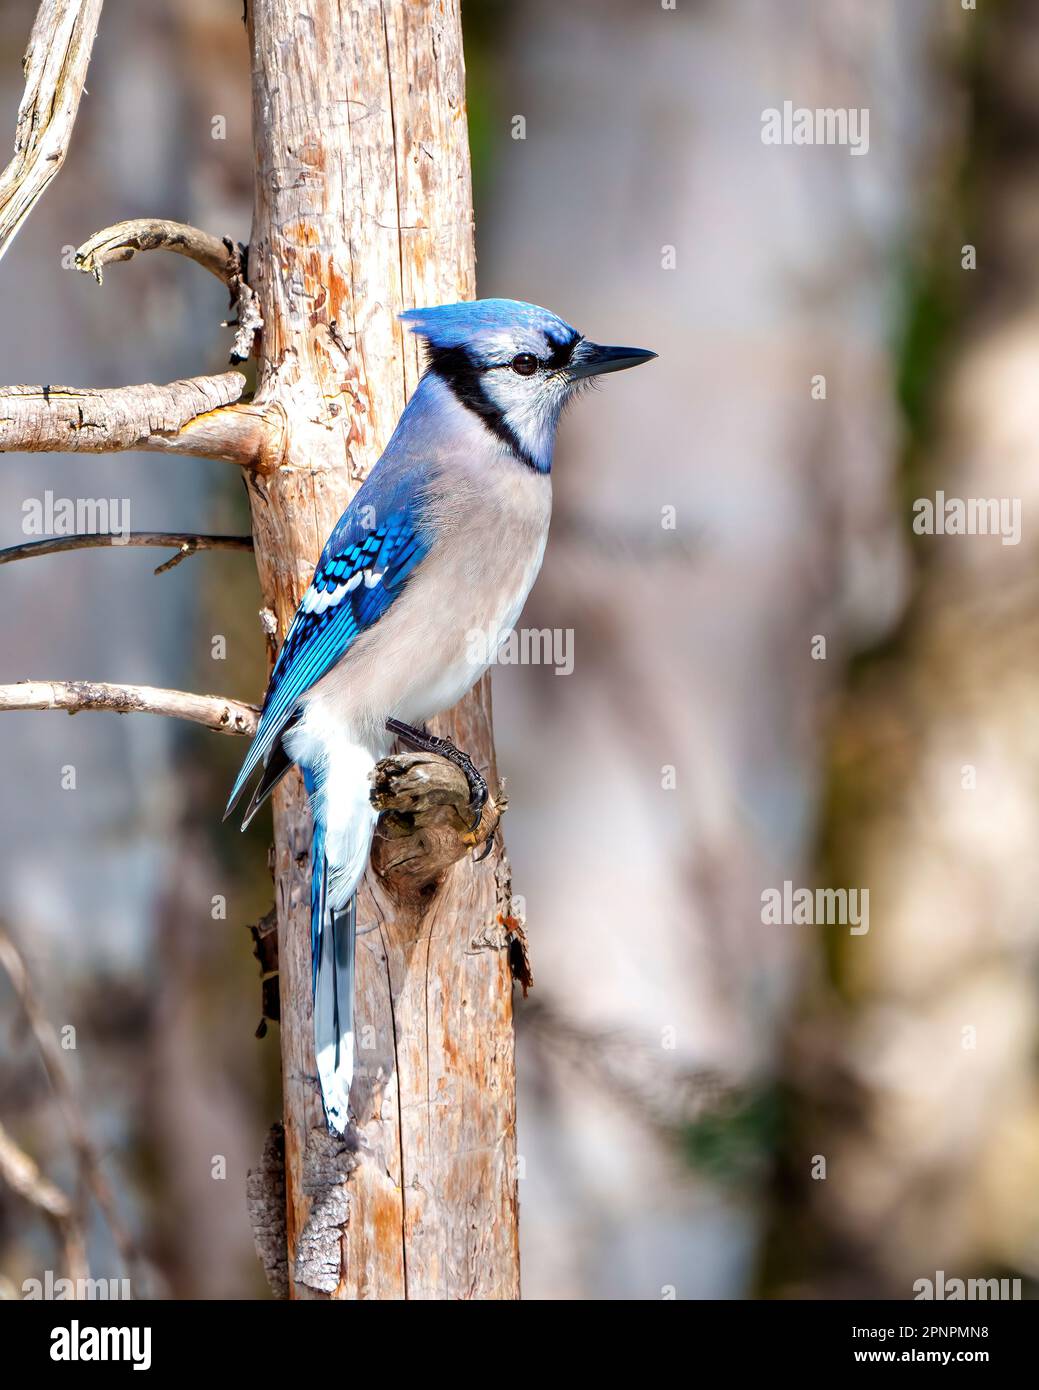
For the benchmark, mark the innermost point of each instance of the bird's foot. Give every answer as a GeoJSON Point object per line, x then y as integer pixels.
{"type": "Point", "coordinates": [424, 742]}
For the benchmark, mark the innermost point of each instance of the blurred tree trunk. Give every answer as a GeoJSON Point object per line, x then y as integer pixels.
{"type": "Point", "coordinates": [693, 645]}
{"type": "Point", "coordinates": [363, 207]}
{"type": "Point", "coordinates": [919, 1085]}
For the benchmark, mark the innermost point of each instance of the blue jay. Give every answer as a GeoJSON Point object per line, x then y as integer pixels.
{"type": "Point", "coordinates": [444, 539]}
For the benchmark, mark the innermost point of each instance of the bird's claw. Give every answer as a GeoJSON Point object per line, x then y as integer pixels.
{"type": "Point", "coordinates": [444, 748]}
{"type": "Point", "coordinates": [485, 850]}
{"type": "Point", "coordinates": [477, 793]}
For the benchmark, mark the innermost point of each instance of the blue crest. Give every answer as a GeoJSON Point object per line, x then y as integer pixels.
{"type": "Point", "coordinates": [456, 325]}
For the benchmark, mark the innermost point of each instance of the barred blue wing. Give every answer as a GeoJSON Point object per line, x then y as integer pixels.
{"type": "Point", "coordinates": [360, 574]}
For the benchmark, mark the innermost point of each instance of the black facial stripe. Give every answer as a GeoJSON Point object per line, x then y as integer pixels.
{"type": "Point", "coordinates": [465, 379]}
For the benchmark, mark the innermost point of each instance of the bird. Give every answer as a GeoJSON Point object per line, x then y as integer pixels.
{"type": "Point", "coordinates": [444, 539]}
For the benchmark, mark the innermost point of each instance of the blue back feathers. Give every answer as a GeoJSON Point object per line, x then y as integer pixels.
{"type": "Point", "coordinates": [365, 564]}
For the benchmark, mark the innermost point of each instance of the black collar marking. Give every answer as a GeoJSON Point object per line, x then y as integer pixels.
{"type": "Point", "coordinates": [456, 368]}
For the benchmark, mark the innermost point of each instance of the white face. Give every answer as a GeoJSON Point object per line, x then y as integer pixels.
{"type": "Point", "coordinates": [520, 380]}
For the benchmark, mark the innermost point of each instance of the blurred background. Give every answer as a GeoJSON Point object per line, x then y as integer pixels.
{"type": "Point", "coordinates": [776, 681]}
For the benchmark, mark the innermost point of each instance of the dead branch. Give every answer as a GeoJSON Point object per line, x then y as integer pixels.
{"type": "Point", "coordinates": [44, 419]}
{"type": "Point", "coordinates": [186, 543]}
{"type": "Point", "coordinates": [92, 1177]}
{"type": "Point", "coordinates": [243, 434]}
{"type": "Point", "coordinates": [123, 240]}
{"type": "Point", "coordinates": [211, 711]}
{"type": "Point", "coordinates": [55, 67]}
{"type": "Point", "coordinates": [425, 825]}
{"type": "Point", "coordinates": [219, 255]}
{"type": "Point", "coordinates": [22, 1175]}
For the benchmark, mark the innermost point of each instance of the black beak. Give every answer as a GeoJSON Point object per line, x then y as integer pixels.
{"type": "Point", "coordinates": [590, 359]}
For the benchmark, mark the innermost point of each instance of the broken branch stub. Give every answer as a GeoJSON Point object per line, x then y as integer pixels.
{"type": "Point", "coordinates": [425, 824]}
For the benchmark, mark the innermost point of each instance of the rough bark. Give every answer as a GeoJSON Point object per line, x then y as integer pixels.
{"type": "Point", "coordinates": [184, 417]}
{"type": "Point", "coordinates": [265, 1198]}
{"type": "Point", "coordinates": [425, 826]}
{"type": "Point", "coordinates": [363, 207]}
{"type": "Point", "coordinates": [124, 240]}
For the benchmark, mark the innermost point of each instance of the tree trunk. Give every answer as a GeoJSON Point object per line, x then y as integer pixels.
{"type": "Point", "coordinates": [363, 208]}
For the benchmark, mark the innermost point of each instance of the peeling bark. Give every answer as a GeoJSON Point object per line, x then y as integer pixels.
{"type": "Point", "coordinates": [265, 1199]}
{"type": "Point", "coordinates": [123, 240]}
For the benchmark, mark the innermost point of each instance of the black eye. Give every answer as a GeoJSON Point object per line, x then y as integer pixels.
{"type": "Point", "coordinates": [524, 364]}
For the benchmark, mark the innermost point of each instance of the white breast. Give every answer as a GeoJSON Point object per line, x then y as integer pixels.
{"type": "Point", "coordinates": [490, 518]}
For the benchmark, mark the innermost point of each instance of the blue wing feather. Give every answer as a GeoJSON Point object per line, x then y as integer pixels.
{"type": "Point", "coordinates": [362, 570]}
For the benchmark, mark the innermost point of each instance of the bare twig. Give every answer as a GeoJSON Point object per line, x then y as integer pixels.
{"type": "Point", "coordinates": [211, 711]}
{"type": "Point", "coordinates": [191, 545]}
{"type": "Point", "coordinates": [91, 1174]}
{"type": "Point", "coordinates": [22, 1175]}
{"type": "Point", "coordinates": [219, 255]}
{"type": "Point", "coordinates": [55, 67]}
{"type": "Point", "coordinates": [186, 543]}
{"type": "Point", "coordinates": [196, 416]}
{"type": "Point", "coordinates": [122, 241]}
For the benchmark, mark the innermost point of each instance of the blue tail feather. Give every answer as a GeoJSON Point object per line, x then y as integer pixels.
{"type": "Point", "coordinates": [332, 935]}
{"type": "Point", "coordinates": [318, 897]}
